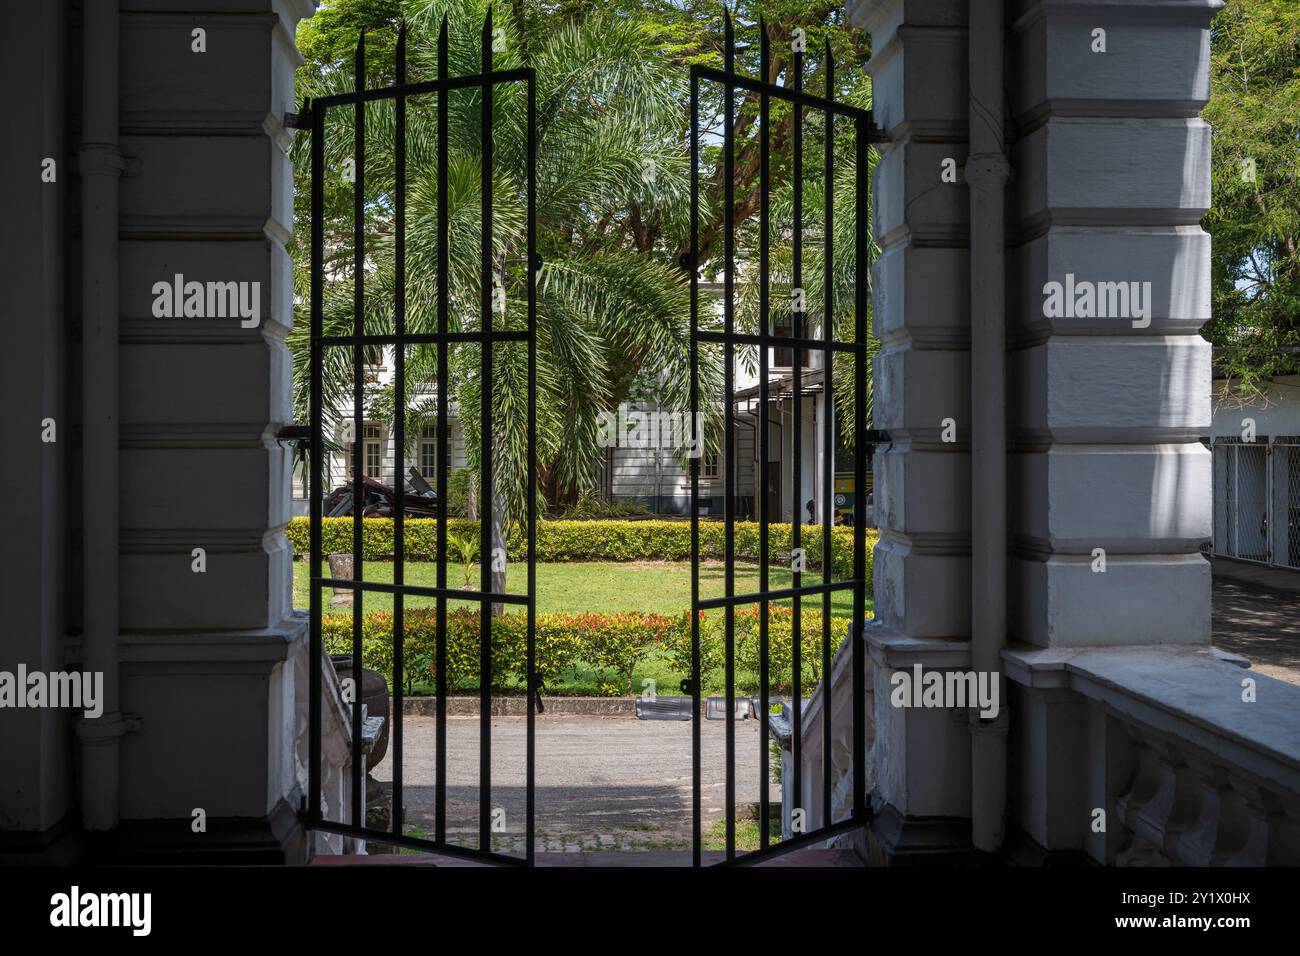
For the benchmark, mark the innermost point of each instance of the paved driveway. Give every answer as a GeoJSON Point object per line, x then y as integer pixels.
{"type": "Point", "coordinates": [602, 782]}
{"type": "Point", "coordinates": [1258, 621]}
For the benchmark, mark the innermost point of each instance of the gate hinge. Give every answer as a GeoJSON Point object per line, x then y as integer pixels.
{"type": "Point", "coordinates": [298, 120]}
{"type": "Point", "coordinates": [294, 433]}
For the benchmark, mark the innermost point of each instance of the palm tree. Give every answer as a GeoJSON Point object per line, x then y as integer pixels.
{"type": "Point", "coordinates": [607, 112]}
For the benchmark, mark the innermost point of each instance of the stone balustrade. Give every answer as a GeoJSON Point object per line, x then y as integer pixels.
{"type": "Point", "coordinates": [336, 748]}
{"type": "Point", "coordinates": [813, 744]}
{"type": "Point", "coordinates": [1154, 756]}
{"type": "Point", "coordinates": [1159, 755]}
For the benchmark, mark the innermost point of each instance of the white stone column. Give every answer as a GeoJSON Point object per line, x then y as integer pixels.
{"type": "Point", "coordinates": [208, 195]}
{"type": "Point", "coordinates": [1112, 178]}
{"type": "Point", "coordinates": [921, 314]}
{"type": "Point", "coordinates": [35, 761]}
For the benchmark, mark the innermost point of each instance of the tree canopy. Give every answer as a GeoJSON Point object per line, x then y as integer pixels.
{"type": "Point", "coordinates": [1255, 218]}
{"type": "Point", "coordinates": [613, 104]}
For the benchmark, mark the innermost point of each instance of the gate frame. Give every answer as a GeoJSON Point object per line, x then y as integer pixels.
{"type": "Point", "coordinates": [485, 81]}
{"type": "Point", "coordinates": [798, 343]}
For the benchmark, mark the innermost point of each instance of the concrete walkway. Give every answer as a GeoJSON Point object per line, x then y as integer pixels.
{"type": "Point", "coordinates": [602, 783]}
{"type": "Point", "coordinates": [1256, 614]}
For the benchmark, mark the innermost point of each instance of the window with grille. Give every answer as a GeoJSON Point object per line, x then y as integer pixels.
{"type": "Point", "coordinates": [791, 326]}
{"type": "Point", "coordinates": [429, 451]}
{"type": "Point", "coordinates": [709, 466]}
{"type": "Point", "coordinates": [372, 453]}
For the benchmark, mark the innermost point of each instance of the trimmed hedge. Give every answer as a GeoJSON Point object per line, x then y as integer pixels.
{"type": "Point", "coordinates": [780, 649]}
{"type": "Point", "coordinates": [614, 643]}
{"type": "Point", "coordinates": [587, 540]}
{"type": "Point", "coordinates": [608, 641]}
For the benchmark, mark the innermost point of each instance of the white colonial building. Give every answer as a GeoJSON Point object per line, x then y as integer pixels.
{"type": "Point", "coordinates": [652, 473]}
{"type": "Point", "coordinates": [1256, 447]}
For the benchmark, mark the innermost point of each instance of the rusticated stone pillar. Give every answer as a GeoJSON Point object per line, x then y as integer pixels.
{"type": "Point", "coordinates": [921, 314]}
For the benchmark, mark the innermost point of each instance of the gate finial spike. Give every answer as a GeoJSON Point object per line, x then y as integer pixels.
{"type": "Point", "coordinates": [401, 50]}
{"type": "Point", "coordinates": [442, 50]}
{"type": "Point", "coordinates": [830, 78]}
{"type": "Point", "coordinates": [360, 60]}
{"type": "Point", "coordinates": [729, 40]}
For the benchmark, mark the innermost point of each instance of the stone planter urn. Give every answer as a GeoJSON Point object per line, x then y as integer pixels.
{"type": "Point", "coordinates": [374, 695]}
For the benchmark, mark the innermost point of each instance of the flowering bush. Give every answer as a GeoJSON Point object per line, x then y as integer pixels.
{"type": "Point", "coordinates": [613, 643]}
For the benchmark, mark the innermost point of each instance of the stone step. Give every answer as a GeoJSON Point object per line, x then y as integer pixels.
{"type": "Point", "coordinates": [626, 858]}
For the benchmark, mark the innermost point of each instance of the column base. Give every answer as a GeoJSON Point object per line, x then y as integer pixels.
{"type": "Point", "coordinates": [893, 839]}
{"type": "Point", "coordinates": [1021, 849]}
{"type": "Point", "coordinates": [61, 845]}
{"type": "Point", "coordinates": [277, 839]}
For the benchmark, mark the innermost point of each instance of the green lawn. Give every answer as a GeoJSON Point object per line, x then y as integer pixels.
{"type": "Point", "coordinates": [597, 586]}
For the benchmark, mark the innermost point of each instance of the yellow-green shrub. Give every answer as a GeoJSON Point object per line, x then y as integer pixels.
{"type": "Point", "coordinates": [590, 540]}
{"type": "Point", "coordinates": [609, 641]}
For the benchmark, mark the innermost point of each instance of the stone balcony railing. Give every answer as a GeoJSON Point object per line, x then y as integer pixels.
{"type": "Point", "coordinates": [336, 748]}
{"type": "Point", "coordinates": [813, 743]}
{"type": "Point", "coordinates": [1128, 756]}
{"type": "Point", "coordinates": [1194, 759]}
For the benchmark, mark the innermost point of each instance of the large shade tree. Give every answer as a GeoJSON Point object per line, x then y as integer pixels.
{"type": "Point", "coordinates": [612, 208]}
{"type": "Point", "coordinates": [1255, 220]}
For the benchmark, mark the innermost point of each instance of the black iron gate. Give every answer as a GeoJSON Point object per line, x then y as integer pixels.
{"type": "Point", "coordinates": [798, 343]}
{"type": "Point", "coordinates": [361, 341]}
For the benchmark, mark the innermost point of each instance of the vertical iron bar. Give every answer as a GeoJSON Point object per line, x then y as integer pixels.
{"type": "Point", "coordinates": [796, 442]}
{"type": "Point", "coordinates": [485, 441]}
{"type": "Point", "coordinates": [692, 269]}
{"type": "Point", "coordinates": [861, 145]}
{"type": "Point", "coordinates": [485, 450]}
{"type": "Point", "coordinates": [828, 428]}
{"type": "Point", "coordinates": [764, 163]}
{"type": "Point", "coordinates": [532, 455]}
{"type": "Point", "coordinates": [317, 321]}
{"type": "Point", "coordinates": [399, 414]}
{"type": "Point", "coordinates": [728, 454]}
{"type": "Point", "coordinates": [443, 446]}
{"type": "Point", "coordinates": [358, 425]}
